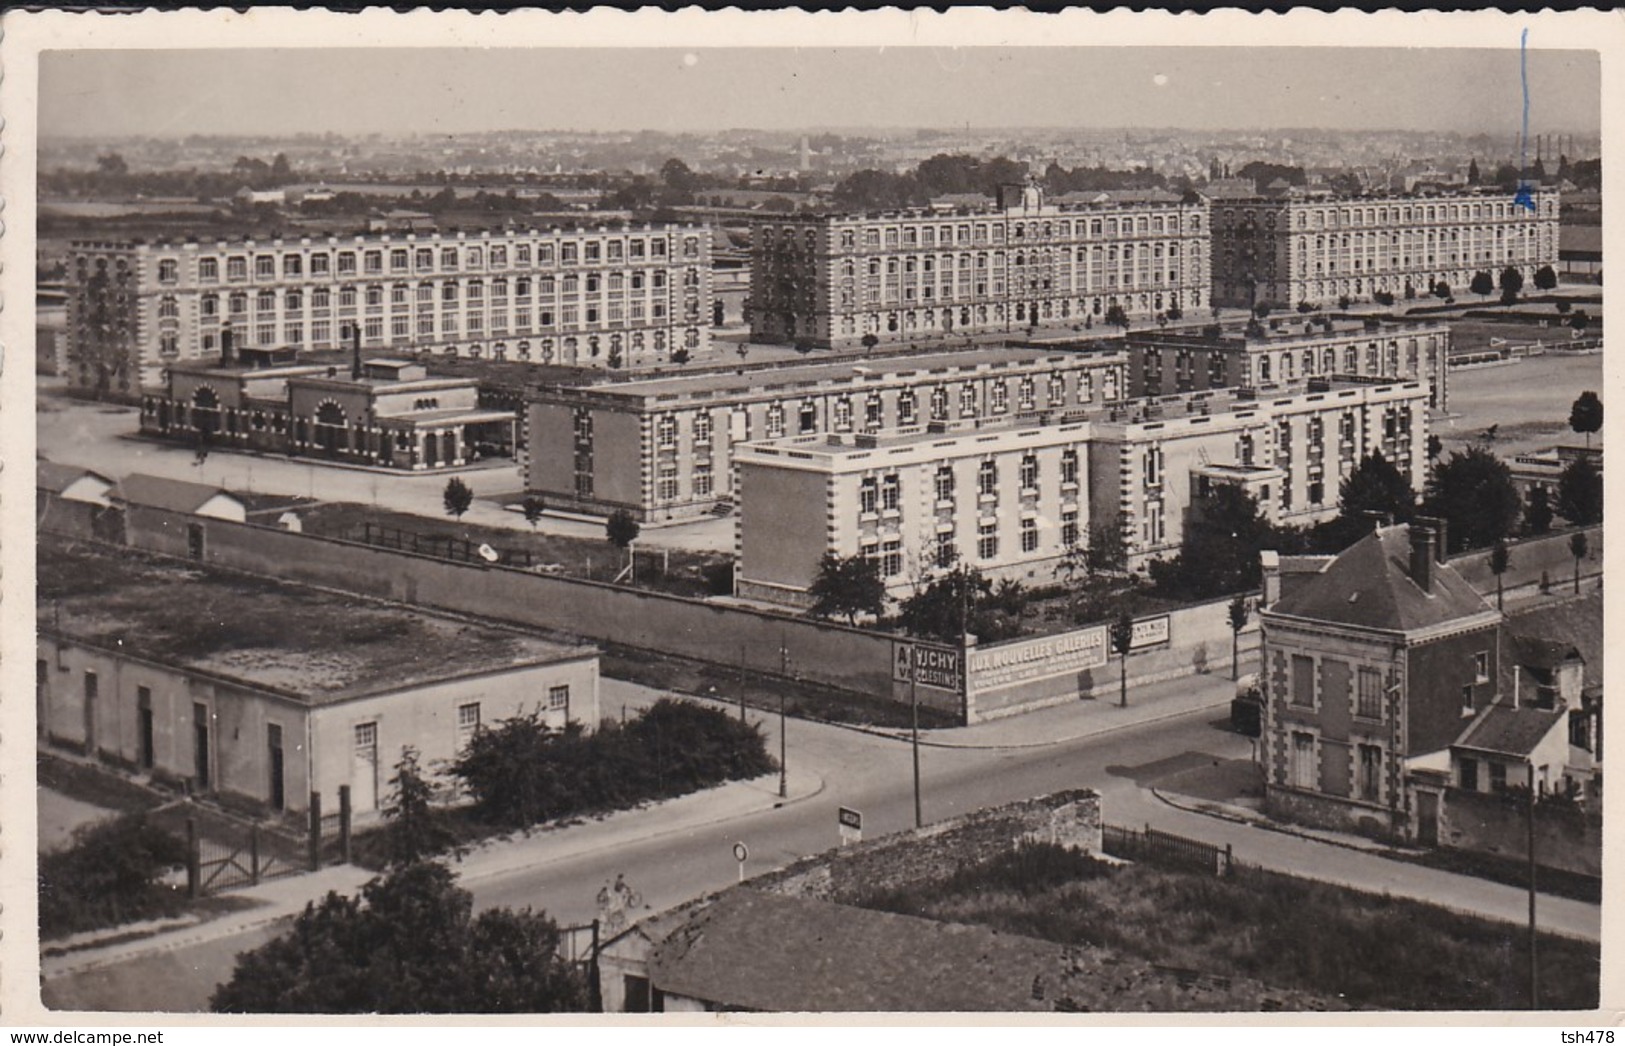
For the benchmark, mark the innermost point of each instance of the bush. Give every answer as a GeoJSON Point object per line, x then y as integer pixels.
{"type": "Point", "coordinates": [523, 773]}
{"type": "Point", "coordinates": [718, 578]}
{"type": "Point", "coordinates": [1305, 307]}
{"type": "Point", "coordinates": [1343, 301]}
{"type": "Point", "coordinates": [108, 877]}
{"type": "Point", "coordinates": [1383, 298]}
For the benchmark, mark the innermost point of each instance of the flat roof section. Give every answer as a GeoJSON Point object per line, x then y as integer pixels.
{"type": "Point", "coordinates": [796, 375]}
{"type": "Point", "coordinates": [309, 645]}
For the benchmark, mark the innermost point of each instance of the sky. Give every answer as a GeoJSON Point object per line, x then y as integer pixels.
{"type": "Point", "coordinates": [282, 91]}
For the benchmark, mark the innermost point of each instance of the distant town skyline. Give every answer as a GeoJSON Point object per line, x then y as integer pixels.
{"type": "Point", "coordinates": [453, 91]}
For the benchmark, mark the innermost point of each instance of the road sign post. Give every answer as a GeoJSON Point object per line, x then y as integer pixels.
{"type": "Point", "coordinates": [741, 854]}
{"type": "Point", "coordinates": [851, 825]}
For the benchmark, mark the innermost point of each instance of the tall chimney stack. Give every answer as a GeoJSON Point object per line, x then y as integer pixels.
{"type": "Point", "coordinates": [225, 346]}
{"type": "Point", "coordinates": [1422, 556]}
{"type": "Point", "coordinates": [1441, 535]}
{"type": "Point", "coordinates": [355, 357]}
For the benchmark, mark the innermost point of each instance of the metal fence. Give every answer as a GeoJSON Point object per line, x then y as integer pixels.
{"type": "Point", "coordinates": [217, 866]}
{"type": "Point", "coordinates": [441, 546]}
{"type": "Point", "coordinates": [1165, 848]}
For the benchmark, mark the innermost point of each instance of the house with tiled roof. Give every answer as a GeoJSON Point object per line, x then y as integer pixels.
{"type": "Point", "coordinates": [1372, 659]}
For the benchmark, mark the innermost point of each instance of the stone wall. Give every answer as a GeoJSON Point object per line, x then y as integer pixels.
{"type": "Point", "coordinates": [1566, 837]}
{"type": "Point", "coordinates": [1071, 819]}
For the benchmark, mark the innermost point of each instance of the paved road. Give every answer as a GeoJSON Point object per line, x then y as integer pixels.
{"type": "Point", "coordinates": [869, 773]}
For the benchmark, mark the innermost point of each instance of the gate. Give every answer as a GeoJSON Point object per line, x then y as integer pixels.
{"type": "Point", "coordinates": [227, 860]}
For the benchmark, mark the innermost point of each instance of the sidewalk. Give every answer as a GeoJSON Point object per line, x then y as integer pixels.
{"type": "Point", "coordinates": [1090, 717]}
{"type": "Point", "coordinates": [285, 898]}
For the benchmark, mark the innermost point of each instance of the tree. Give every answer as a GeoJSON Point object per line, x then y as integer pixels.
{"type": "Point", "coordinates": [870, 340]}
{"type": "Point", "coordinates": [1500, 559]}
{"type": "Point", "coordinates": [1579, 493]}
{"type": "Point", "coordinates": [1483, 284]}
{"type": "Point", "coordinates": [1122, 634]}
{"type": "Point", "coordinates": [1585, 416]}
{"type": "Point", "coordinates": [457, 497]}
{"type": "Point", "coordinates": [1107, 552]}
{"type": "Point", "coordinates": [1580, 321]}
{"type": "Point", "coordinates": [1546, 278]}
{"type": "Point", "coordinates": [1116, 316]}
{"type": "Point", "coordinates": [413, 828]}
{"type": "Point", "coordinates": [621, 528]}
{"type": "Point", "coordinates": [1376, 485]}
{"type": "Point", "coordinates": [1219, 555]}
{"type": "Point", "coordinates": [1441, 289]}
{"type": "Point", "coordinates": [533, 507]}
{"type": "Point", "coordinates": [848, 586]}
{"type": "Point", "coordinates": [1472, 171]}
{"type": "Point", "coordinates": [1240, 611]}
{"type": "Point", "coordinates": [962, 602]}
{"type": "Point", "coordinates": [1537, 515]}
{"type": "Point", "coordinates": [1511, 283]}
{"type": "Point", "coordinates": [110, 875]}
{"type": "Point", "coordinates": [409, 944]}
{"type": "Point", "coordinates": [1435, 446]}
{"type": "Point", "coordinates": [1473, 492]}
{"type": "Point", "coordinates": [1579, 545]}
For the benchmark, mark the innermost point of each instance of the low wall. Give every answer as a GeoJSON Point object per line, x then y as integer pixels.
{"type": "Point", "coordinates": [817, 651]}
{"type": "Point", "coordinates": [1337, 814]}
{"type": "Point", "coordinates": [1071, 819]}
{"type": "Point", "coordinates": [1030, 673]}
{"type": "Point", "coordinates": [1566, 837]}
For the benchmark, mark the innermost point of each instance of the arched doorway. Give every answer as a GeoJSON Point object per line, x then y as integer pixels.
{"type": "Point", "coordinates": [330, 427]}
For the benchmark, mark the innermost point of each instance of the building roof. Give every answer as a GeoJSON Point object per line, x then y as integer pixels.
{"type": "Point", "coordinates": [1505, 730]}
{"type": "Point", "coordinates": [1369, 585]}
{"type": "Point", "coordinates": [1579, 240]}
{"type": "Point", "coordinates": [174, 495]}
{"type": "Point", "coordinates": [760, 951]}
{"type": "Point", "coordinates": [1574, 623]}
{"type": "Point", "coordinates": [308, 645]}
{"type": "Point", "coordinates": [54, 477]}
{"type": "Point", "coordinates": [729, 382]}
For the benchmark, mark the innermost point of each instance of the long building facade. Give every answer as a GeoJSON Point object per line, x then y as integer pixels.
{"type": "Point", "coordinates": [1318, 249]}
{"type": "Point", "coordinates": [1013, 499]}
{"type": "Point", "coordinates": [601, 297]}
{"type": "Point", "coordinates": [1162, 362]}
{"type": "Point", "coordinates": [835, 280]}
{"type": "Point", "coordinates": [662, 449]}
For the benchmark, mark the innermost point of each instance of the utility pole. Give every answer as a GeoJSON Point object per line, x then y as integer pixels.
{"type": "Point", "coordinates": [741, 682]}
{"type": "Point", "coordinates": [784, 670]}
{"type": "Point", "coordinates": [1534, 970]}
{"type": "Point", "coordinates": [914, 714]}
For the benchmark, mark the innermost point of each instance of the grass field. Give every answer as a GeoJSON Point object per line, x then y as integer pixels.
{"type": "Point", "coordinates": [1369, 950]}
{"type": "Point", "coordinates": [1528, 400]}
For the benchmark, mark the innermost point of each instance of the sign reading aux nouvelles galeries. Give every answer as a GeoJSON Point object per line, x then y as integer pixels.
{"type": "Point", "coordinates": [1046, 657]}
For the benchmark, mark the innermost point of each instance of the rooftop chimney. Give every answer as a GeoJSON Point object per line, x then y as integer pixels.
{"type": "Point", "coordinates": [1270, 561]}
{"type": "Point", "coordinates": [1442, 530]}
{"type": "Point", "coordinates": [225, 346]}
{"type": "Point", "coordinates": [1422, 542]}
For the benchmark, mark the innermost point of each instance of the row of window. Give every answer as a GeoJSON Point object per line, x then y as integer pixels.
{"type": "Point", "coordinates": [991, 229]}
{"type": "Point", "coordinates": [297, 265]}
{"type": "Point", "coordinates": [449, 291]}
{"type": "Point", "coordinates": [1339, 216]}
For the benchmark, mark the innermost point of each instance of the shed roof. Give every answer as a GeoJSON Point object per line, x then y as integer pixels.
{"type": "Point", "coordinates": [761, 951]}
{"type": "Point", "coordinates": [308, 645]}
{"type": "Point", "coordinates": [1504, 730]}
{"type": "Point", "coordinates": [174, 495]}
{"type": "Point", "coordinates": [55, 477]}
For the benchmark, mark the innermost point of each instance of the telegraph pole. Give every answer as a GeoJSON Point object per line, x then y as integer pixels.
{"type": "Point", "coordinates": [741, 682]}
{"type": "Point", "coordinates": [1534, 969]}
{"type": "Point", "coordinates": [914, 713]}
{"type": "Point", "coordinates": [784, 670]}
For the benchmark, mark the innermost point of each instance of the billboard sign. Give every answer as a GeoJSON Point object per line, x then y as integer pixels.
{"type": "Point", "coordinates": [1030, 660]}
{"type": "Point", "coordinates": [938, 667]}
